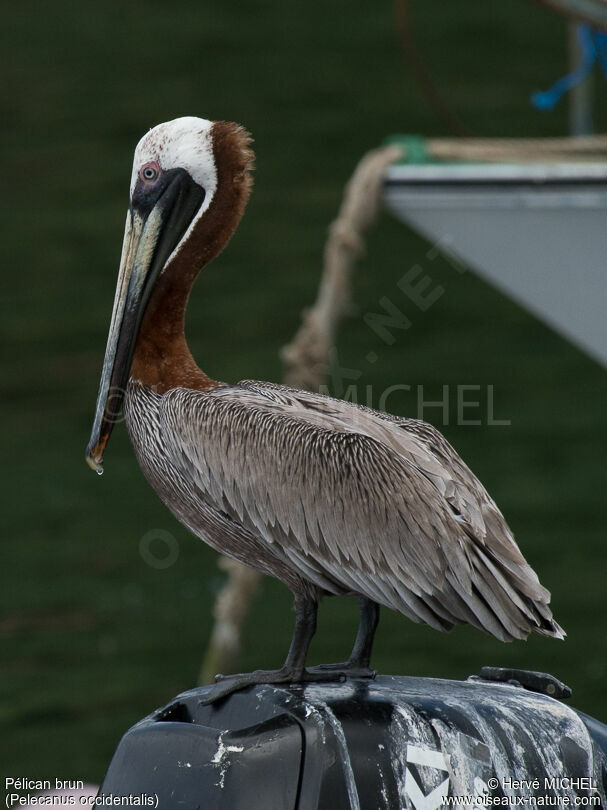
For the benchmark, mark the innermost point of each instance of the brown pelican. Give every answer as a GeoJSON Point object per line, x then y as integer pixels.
{"type": "Point", "coordinates": [327, 496]}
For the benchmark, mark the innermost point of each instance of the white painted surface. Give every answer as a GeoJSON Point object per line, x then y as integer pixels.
{"type": "Point", "coordinates": [537, 233]}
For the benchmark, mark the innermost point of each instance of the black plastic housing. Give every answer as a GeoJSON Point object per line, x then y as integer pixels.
{"type": "Point", "coordinates": [393, 742]}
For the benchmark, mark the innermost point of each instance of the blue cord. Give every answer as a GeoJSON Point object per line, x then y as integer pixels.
{"type": "Point", "coordinates": [593, 45]}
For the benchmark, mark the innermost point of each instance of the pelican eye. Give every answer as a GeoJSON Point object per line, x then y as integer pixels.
{"type": "Point", "coordinates": [149, 173]}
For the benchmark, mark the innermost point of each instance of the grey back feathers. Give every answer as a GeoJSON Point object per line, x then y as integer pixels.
{"type": "Point", "coordinates": [336, 498]}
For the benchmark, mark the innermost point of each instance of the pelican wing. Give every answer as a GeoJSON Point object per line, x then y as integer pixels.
{"type": "Point", "coordinates": [355, 502]}
{"type": "Point", "coordinates": [425, 446]}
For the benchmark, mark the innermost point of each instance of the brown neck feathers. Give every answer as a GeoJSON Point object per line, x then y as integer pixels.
{"type": "Point", "coordinates": [162, 359]}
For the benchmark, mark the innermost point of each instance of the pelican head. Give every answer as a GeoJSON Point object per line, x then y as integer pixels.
{"type": "Point", "coordinates": [189, 186]}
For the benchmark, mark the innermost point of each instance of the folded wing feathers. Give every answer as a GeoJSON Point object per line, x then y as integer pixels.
{"type": "Point", "coordinates": [359, 501]}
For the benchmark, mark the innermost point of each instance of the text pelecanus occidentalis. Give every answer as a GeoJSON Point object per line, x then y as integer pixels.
{"type": "Point", "coordinates": [327, 496]}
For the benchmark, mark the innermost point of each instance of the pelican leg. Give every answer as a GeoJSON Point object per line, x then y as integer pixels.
{"type": "Point", "coordinates": [357, 665]}
{"type": "Point", "coordinates": [363, 643]}
{"type": "Point", "coordinates": [292, 671]}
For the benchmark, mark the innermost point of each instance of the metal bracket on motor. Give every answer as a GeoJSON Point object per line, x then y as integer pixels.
{"type": "Point", "coordinates": [541, 682]}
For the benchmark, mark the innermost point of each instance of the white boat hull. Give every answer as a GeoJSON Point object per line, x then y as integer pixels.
{"type": "Point", "coordinates": [538, 233]}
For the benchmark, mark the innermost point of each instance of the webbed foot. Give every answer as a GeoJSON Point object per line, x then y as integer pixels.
{"type": "Point", "coordinates": [227, 684]}
{"type": "Point", "coordinates": [345, 669]}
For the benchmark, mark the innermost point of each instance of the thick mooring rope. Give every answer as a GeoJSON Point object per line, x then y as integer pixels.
{"type": "Point", "coordinates": [307, 357]}
{"type": "Point", "coordinates": [230, 611]}
{"type": "Point", "coordinates": [519, 150]}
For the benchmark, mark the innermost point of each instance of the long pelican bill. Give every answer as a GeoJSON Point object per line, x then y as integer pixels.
{"type": "Point", "coordinates": [155, 224]}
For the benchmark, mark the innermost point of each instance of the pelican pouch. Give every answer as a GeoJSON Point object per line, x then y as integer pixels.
{"type": "Point", "coordinates": [504, 739]}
